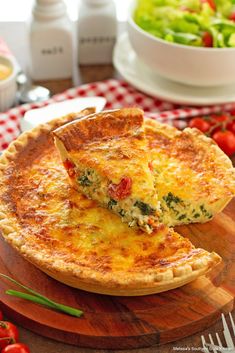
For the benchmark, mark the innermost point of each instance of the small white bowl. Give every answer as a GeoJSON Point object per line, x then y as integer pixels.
{"type": "Point", "coordinates": [196, 66]}
{"type": "Point", "coordinates": [8, 86]}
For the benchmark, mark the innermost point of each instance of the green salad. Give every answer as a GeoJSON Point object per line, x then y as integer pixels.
{"type": "Point", "coordinates": [201, 23]}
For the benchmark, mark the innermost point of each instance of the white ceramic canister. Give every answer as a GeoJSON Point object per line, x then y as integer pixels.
{"type": "Point", "coordinates": [97, 31]}
{"type": "Point", "coordinates": [51, 40]}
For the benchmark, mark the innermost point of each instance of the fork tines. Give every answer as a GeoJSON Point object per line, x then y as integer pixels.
{"type": "Point", "coordinates": [228, 335]}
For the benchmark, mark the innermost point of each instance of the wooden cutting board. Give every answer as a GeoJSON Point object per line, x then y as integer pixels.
{"type": "Point", "coordinates": [129, 322]}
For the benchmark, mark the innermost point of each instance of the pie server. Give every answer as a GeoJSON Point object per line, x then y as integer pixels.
{"type": "Point", "coordinates": [42, 115]}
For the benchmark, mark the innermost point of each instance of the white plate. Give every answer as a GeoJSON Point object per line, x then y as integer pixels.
{"type": "Point", "coordinates": [139, 75]}
{"type": "Point", "coordinates": [38, 116]}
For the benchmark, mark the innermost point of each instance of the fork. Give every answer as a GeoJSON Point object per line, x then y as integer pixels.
{"type": "Point", "coordinates": [208, 347]}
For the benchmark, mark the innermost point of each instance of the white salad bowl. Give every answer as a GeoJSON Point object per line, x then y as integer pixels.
{"type": "Point", "coordinates": [196, 66]}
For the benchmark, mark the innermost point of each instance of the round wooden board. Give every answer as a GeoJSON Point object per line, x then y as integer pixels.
{"type": "Point", "coordinates": [129, 322]}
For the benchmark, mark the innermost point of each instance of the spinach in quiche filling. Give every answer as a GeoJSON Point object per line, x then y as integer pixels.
{"type": "Point", "coordinates": [145, 209]}
{"type": "Point", "coordinates": [172, 200]}
{"type": "Point", "coordinates": [112, 203]}
{"type": "Point", "coordinates": [175, 209]}
{"type": "Point", "coordinates": [88, 178]}
{"type": "Point", "coordinates": [84, 180]}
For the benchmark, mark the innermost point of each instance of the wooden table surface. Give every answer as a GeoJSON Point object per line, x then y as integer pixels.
{"type": "Point", "coordinates": [39, 344]}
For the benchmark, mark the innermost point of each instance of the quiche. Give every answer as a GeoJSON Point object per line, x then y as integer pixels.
{"type": "Point", "coordinates": [77, 242]}
{"type": "Point", "coordinates": [106, 156]}
{"type": "Point", "coordinates": [194, 179]}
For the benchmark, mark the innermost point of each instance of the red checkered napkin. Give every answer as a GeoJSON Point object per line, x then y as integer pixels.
{"type": "Point", "coordinates": [118, 94]}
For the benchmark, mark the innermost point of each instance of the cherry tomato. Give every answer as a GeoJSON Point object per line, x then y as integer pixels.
{"type": "Point", "coordinates": [8, 333]}
{"type": "Point", "coordinates": [226, 141]}
{"type": "Point", "coordinates": [200, 124]}
{"type": "Point", "coordinates": [231, 126]}
{"type": "Point", "coordinates": [207, 39]}
{"type": "Point", "coordinates": [120, 191]}
{"type": "Point", "coordinates": [16, 348]}
{"type": "Point", "coordinates": [211, 3]}
{"type": "Point", "coordinates": [219, 118]}
{"type": "Point", "coordinates": [232, 16]}
{"type": "Point", "coordinates": [1, 316]}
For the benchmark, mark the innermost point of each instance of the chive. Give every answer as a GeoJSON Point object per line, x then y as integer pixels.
{"type": "Point", "coordinates": [50, 304]}
{"type": "Point", "coordinates": [40, 299]}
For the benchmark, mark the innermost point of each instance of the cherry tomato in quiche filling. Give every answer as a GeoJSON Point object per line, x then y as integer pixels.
{"type": "Point", "coordinates": [8, 333]}
{"type": "Point", "coordinates": [120, 191]}
{"type": "Point", "coordinates": [70, 167]}
{"type": "Point", "coordinates": [200, 124]}
{"type": "Point", "coordinates": [16, 348]}
{"type": "Point", "coordinates": [226, 141]}
{"type": "Point", "coordinates": [1, 316]}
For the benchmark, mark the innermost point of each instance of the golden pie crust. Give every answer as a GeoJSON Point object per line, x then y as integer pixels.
{"type": "Point", "coordinates": [95, 127]}
{"type": "Point", "coordinates": [75, 241]}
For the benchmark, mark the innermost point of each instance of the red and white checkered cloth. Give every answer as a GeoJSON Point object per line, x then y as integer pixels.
{"type": "Point", "coordinates": [118, 94]}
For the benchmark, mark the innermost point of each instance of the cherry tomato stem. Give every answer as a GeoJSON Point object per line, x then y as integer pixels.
{"type": "Point", "coordinates": [8, 333]}
{"type": "Point", "coordinates": [221, 127]}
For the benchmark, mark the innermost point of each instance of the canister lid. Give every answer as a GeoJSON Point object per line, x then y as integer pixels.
{"type": "Point", "coordinates": [97, 2]}
{"type": "Point", "coordinates": [49, 9]}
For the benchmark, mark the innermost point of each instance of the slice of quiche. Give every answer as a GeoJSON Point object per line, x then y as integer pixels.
{"type": "Point", "coordinates": [107, 158]}
{"type": "Point", "coordinates": [194, 178]}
